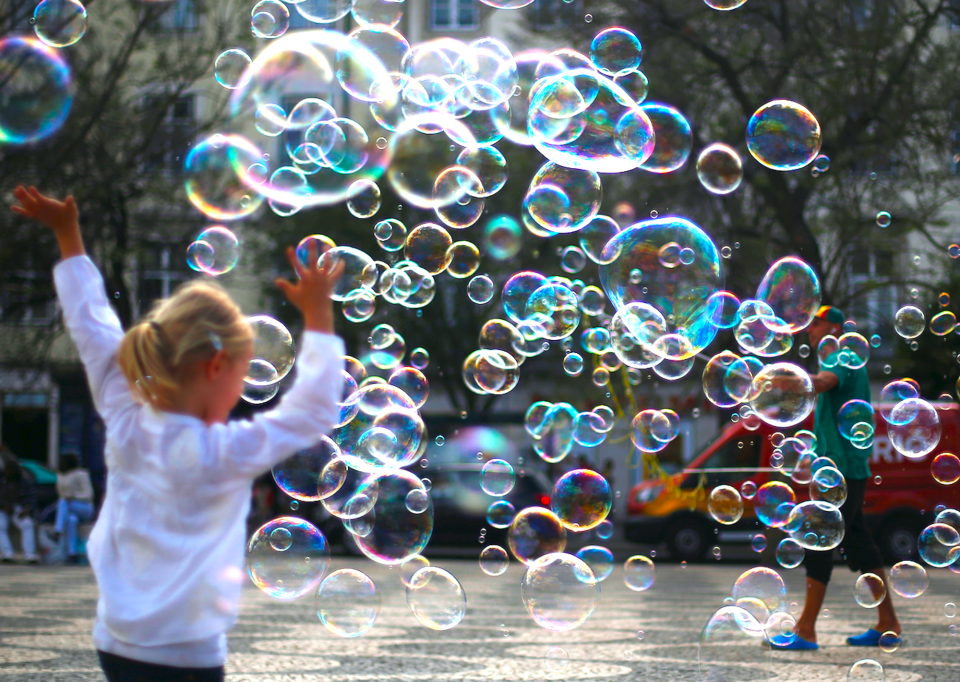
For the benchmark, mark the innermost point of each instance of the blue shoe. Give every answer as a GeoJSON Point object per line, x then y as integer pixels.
{"type": "Point", "coordinates": [869, 638]}
{"type": "Point", "coordinates": [795, 644]}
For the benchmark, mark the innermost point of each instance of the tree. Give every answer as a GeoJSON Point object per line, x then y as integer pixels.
{"type": "Point", "coordinates": [881, 77]}
{"type": "Point", "coordinates": [120, 150]}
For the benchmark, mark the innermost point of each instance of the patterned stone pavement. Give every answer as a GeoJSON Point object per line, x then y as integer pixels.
{"type": "Point", "coordinates": [46, 615]}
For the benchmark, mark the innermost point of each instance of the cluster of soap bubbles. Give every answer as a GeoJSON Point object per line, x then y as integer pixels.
{"type": "Point", "coordinates": [557, 427]}
{"type": "Point", "coordinates": [437, 111]}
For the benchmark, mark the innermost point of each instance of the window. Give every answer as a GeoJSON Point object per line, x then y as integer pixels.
{"type": "Point", "coordinates": [172, 139]}
{"type": "Point", "coordinates": [550, 14]}
{"type": "Point", "coordinates": [873, 302]}
{"type": "Point", "coordinates": [454, 14]}
{"type": "Point", "coordinates": [163, 267]}
{"type": "Point", "coordinates": [180, 16]}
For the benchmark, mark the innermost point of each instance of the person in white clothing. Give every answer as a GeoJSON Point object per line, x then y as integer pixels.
{"type": "Point", "coordinates": [75, 504]}
{"type": "Point", "coordinates": [167, 549]}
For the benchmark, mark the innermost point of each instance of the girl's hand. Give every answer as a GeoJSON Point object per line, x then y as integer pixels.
{"type": "Point", "coordinates": [60, 216]}
{"type": "Point", "coordinates": [311, 293]}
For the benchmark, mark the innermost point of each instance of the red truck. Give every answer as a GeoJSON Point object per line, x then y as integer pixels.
{"type": "Point", "coordinates": [902, 496]}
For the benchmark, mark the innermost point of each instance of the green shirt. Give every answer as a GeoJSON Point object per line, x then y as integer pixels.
{"type": "Point", "coordinates": [853, 384]}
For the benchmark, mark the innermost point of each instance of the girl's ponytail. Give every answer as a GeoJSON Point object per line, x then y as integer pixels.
{"type": "Point", "coordinates": [199, 320]}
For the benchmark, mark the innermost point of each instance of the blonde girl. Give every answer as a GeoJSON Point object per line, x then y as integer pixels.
{"type": "Point", "coordinates": [167, 548]}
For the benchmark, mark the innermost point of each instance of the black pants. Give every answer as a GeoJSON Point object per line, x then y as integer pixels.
{"type": "Point", "coordinates": [860, 550]}
{"type": "Point", "coordinates": [120, 669]}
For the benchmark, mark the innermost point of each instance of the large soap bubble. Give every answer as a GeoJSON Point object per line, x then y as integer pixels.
{"type": "Point", "coordinates": [273, 351]}
{"type": "Point", "coordinates": [60, 23]}
{"type": "Point", "coordinates": [784, 394]}
{"type": "Point", "coordinates": [287, 557]}
{"type": "Point", "coordinates": [792, 290]}
{"type": "Point", "coordinates": [783, 135]}
{"type": "Point", "coordinates": [680, 292]}
{"type": "Point", "coordinates": [559, 591]}
{"type": "Point", "coordinates": [815, 525]}
{"type": "Point", "coordinates": [347, 603]}
{"type": "Point", "coordinates": [673, 135]}
{"type": "Point", "coordinates": [386, 431]}
{"type": "Point", "coordinates": [563, 199]}
{"type": "Point", "coordinates": [914, 428]}
{"type": "Point", "coordinates": [764, 586]}
{"type": "Point", "coordinates": [218, 177]}
{"type": "Point", "coordinates": [719, 169]}
{"type": "Point", "coordinates": [397, 532]}
{"type": "Point", "coordinates": [299, 476]}
{"type": "Point", "coordinates": [535, 532]}
{"type": "Point", "coordinates": [436, 598]}
{"type": "Point", "coordinates": [36, 93]}
{"type": "Point", "coordinates": [733, 647]}
{"type": "Point", "coordinates": [581, 499]}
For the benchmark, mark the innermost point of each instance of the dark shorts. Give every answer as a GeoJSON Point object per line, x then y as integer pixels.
{"type": "Point", "coordinates": [120, 669]}
{"type": "Point", "coordinates": [860, 550]}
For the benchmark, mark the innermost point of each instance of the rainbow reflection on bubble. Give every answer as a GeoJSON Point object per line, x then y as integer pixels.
{"type": "Point", "coordinates": [36, 91]}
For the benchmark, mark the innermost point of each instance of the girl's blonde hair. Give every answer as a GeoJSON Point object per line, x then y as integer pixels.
{"type": "Point", "coordinates": [199, 320]}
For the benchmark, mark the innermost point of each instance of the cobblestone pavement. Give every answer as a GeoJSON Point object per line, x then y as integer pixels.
{"type": "Point", "coordinates": [46, 615]}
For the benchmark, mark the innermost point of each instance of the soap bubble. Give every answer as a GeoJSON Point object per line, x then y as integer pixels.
{"type": "Point", "coordinates": [679, 294]}
{"type": "Point", "coordinates": [673, 135]}
{"type": "Point", "coordinates": [535, 532]}
{"type": "Point", "coordinates": [650, 431]}
{"type": "Point", "coordinates": [594, 236]}
{"type": "Point", "coordinates": [397, 532]}
{"type": "Point", "coordinates": [792, 290]}
{"type": "Point", "coordinates": [436, 598]}
{"type": "Point", "coordinates": [489, 167]}
{"type": "Point", "coordinates": [299, 476]}
{"type": "Point", "coordinates": [295, 569]}
{"type": "Point", "coordinates": [909, 322]}
{"type": "Point", "coordinates": [557, 658]}
{"type": "Point", "coordinates": [386, 432]}
{"type": "Point", "coordinates": [573, 364]}
{"type": "Point", "coordinates": [572, 260]}
{"type": "Point", "coordinates": [480, 289]}
{"type": "Point", "coordinates": [815, 525]}
{"type": "Point", "coordinates": [866, 670]}
{"type": "Point", "coordinates": [748, 490]}
{"type": "Point", "coordinates": [724, 5]}
{"type": "Point", "coordinates": [914, 428]}
{"type": "Point", "coordinates": [783, 135]}
{"type": "Point", "coordinates": [464, 259]}
{"type": "Point", "coordinates": [945, 468]}
{"type": "Point", "coordinates": [581, 499]}
{"type": "Point", "coordinates": [598, 559]}
{"type": "Point", "coordinates": [363, 198]}
{"type": "Point", "coordinates": [563, 199]}
{"type": "Point", "coordinates": [789, 553]}
{"type": "Point", "coordinates": [494, 560]}
{"type": "Point", "coordinates": [909, 579]}
{"type": "Point", "coordinates": [497, 477]}
{"type": "Point", "coordinates": [784, 394]}
{"type": "Point", "coordinates": [943, 323]}
{"type": "Point", "coordinates": [420, 358]}
{"type": "Point", "coordinates": [889, 642]}
{"type": "Point", "coordinates": [559, 591]}
{"type": "Point", "coordinates": [639, 573]}
{"type": "Point", "coordinates": [412, 382]}
{"type": "Point", "coordinates": [893, 393]}
{"type": "Point", "coordinates": [759, 542]}
{"type": "Point", "coordinates": [884, 219]}
{"type": "Point", "coordinates": [828, 485]}
{"type": "Point", "coordinates": [217, 177]}
{"type": "Point", "coordinates": [385, 12]}
{"type": "Point", "coordinates": [725, 505]}
{"type": "Point", "coordinates": [773, 503]}
{"type": "Point", "coordinates": [215, 251]}
{"type": "Point", "coordinates": [502, 237]}
{"type": "Point", "coordinates": [719, 169]}
{"type": "Point", "coordinates": [347, 603]}
{"type": "Point", "coordinates": [230, 67]}
{"type": "Point", "coordinates": [615, 51]}
{"type": "Point", "coordinates": [732, 644]}
{"type": "Point", "coordinates": [59, 23]}
{"type": "Point", "coordinates": [763, 585]}
{"type": "Point", "coordinates": [869, 590]}
{"type": "Point", "coordinates": [359, 271]}
{"type": "Point", "coordinates": [273, 351]}
{"type": "Point", "coordinates": [269, 19]}
{"type": "Point", "coordinates": [500, 514]}
{"type": "Point", "coordinates": [635, 84]}
{"type": "Point", "coordinates": [938, 545]}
